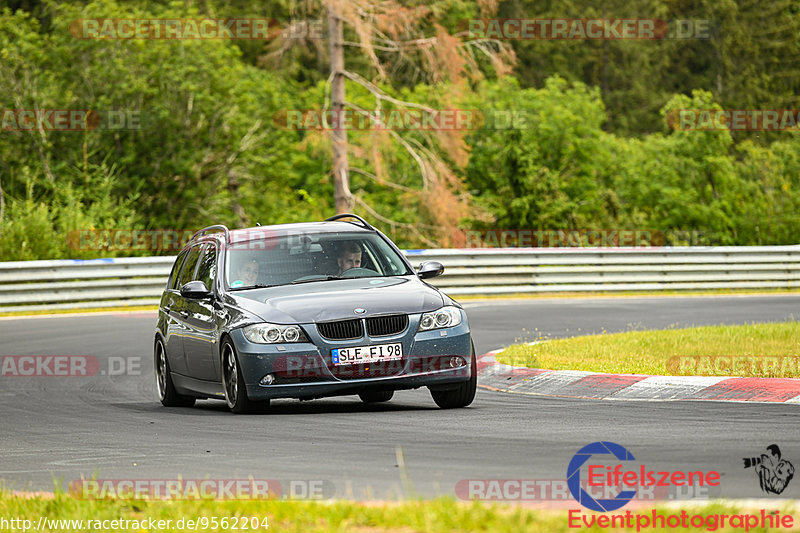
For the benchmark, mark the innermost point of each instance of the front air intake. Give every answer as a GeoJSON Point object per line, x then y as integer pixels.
{"type": "Point", "coordinates": [341, 329]}
{"type": "Point", "coordinates": [382, 326]}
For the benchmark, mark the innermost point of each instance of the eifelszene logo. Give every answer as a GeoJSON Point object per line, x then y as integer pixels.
{"type": "Point", "coordinates": [612, 478]}
{"type": "Point", "coordinates": [774, 473]}
{"type": "Point", "coordinates": [574, 476]}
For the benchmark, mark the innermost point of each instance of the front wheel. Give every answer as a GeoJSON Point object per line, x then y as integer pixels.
{"type": "Point", "coordinates": [376, 396]}
{"type": "Point", "coordinates": [166, 388]}
{"type": "Point", "coordinates": [233, 384]}
{"type": "Point", "coordinates": [462, 395]}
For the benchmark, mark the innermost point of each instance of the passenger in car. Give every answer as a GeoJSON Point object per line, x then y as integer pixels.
{"type": "Point", "coordinates": [248, 272]}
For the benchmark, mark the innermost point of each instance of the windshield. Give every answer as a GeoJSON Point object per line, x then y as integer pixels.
{"type": "Point", "coordinates": [309, 258]}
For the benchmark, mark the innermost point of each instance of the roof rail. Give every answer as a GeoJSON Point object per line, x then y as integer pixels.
{"type": "Point", "coordinates": [209, 228]}
{"type": "Point", "coordinates": [350, 215]}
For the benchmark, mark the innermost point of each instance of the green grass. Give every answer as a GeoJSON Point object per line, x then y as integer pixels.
{"type": "Point", "coordinates": [441, 515]}
{"type": "Point", "coordinates": [123, 309]}
{"type": "Point", "coordinates": [756, 350]}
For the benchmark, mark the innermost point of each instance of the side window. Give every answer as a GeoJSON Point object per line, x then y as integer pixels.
{"type": "Point", "coordinates": [208, 266]}
{"type": "Point", "coordinates": [187, 272]}
{"type": "Point", "coordinates": [176, 268]}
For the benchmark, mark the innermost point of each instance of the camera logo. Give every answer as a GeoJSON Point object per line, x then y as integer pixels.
{"type": "Point", "coordinates": [774, 473]}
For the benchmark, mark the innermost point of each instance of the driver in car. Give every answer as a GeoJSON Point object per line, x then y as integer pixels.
{"type": "Point", "coordinates": [349, 256]}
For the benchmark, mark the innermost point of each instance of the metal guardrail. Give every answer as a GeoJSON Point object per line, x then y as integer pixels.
{"type": "Point", "coordinates": [75, 284]}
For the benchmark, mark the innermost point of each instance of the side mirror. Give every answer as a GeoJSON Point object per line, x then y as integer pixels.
{"type": "Point", "coordinates": [430, 269]}
{"type": "Point", "coordinates": [196, 290]}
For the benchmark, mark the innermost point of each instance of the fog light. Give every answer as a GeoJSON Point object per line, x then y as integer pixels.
{"type": "Point", "coordinates": [456, 362]}
{"type": "Point", "coordinates": [269, 379]}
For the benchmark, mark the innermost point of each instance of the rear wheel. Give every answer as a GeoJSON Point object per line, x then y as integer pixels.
{"type": "Point", "coordinates": [233, 384]}
{"type": "Point", "coordinates": [166, 388]}
{"type": "Point", "coordinates": [376, 396]}
{"type": "Point", "coordinates": [462, 395]}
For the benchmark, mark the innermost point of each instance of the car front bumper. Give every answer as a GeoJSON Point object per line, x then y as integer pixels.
{"type": "Point", "coordinates": [305, 370]}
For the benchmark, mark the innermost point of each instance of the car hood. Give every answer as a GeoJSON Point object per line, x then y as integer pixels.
{"type": "Point", "coordinates": [337, 299]}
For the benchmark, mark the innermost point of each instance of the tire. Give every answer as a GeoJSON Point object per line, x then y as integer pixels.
{"type": "Point", "coordinates": [166, 388]}
{"type": "Point", "coordinates": [376, 396]}
{"type": "Point", "coordinates": [233, 384]}
{"type": "Point", "coordinates": [462, 395]}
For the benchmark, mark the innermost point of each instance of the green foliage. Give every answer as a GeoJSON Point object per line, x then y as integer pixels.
{"type": "Point", "coordinates": [593, 151]}
{"type": "Point", "coordinates": [747, 59]}
{"type": "Point", "coordinates": [543, 172]}
{"type": "Point", "coordinates": [564, 171]}
{"type": "Point", "coordinates": [34, 228]}
{"type": "Point", "coordinates": [205, 149]}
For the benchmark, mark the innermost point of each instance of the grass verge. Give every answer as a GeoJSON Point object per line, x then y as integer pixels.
{"type": "Point", "coordinates": [440, 515]}
{"type": "Point", "coordinates": [40, 312]}
{"type": "Point", "coordinates": [751, 350]}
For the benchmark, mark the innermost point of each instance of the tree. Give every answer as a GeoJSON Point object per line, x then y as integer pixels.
{"type": "Point", "coordinates": [342, 196]}
{"type": "Point", "coordinates": [390, 38]}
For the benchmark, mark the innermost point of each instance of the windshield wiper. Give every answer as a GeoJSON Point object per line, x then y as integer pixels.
{"type": "Point", "coordinates": [256, 286]}
{"type": "Point", "coordinates": [321, 278]}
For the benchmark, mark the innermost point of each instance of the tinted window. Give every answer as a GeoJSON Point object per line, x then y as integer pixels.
{"type": "Point", "coordinates": [188, 267]}
{"type": "Point", "coordinates": [208, 266]}
{"type": "Point", "coordinates": [173, 276]}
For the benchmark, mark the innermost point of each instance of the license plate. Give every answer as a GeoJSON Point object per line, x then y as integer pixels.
{"type": "Point", "coordinates": [367, 354]}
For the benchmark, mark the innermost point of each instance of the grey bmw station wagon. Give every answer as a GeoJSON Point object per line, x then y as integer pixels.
{"type": "Point", "coordinates": [307, 311]}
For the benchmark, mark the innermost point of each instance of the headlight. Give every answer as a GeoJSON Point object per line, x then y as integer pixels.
{"type": "Point", "coordinates": [266, 333]}
{"type": "Point", "coordinates": [446, 317]}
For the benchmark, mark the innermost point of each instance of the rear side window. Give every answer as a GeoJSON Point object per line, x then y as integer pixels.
{"type": "Point", "coordinates": [208, 266]}
{"type": "Point", "coordinates": [187, 272]}
{"type": "Point", "coordinates": [176, 268]}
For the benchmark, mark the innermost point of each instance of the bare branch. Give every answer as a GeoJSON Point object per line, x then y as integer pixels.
{"type": "Point", "coordinates": [380, 181]}
{"type": "Point", "coordinates": [375, 90]}
{"type": "Point", "coordinates": [394, 224]}
{"type": "Point", "coordinates": [423, 167]}
{"type": "Point", "coordinates": [376, 47]}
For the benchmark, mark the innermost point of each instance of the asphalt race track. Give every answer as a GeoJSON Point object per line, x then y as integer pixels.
{"type": "Point", "coordinates": [112, 426]}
